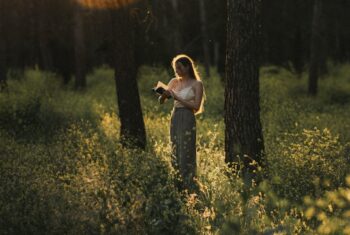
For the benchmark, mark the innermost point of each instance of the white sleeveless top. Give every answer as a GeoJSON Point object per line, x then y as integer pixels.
{"type": "Point", "coordinates": [185, 93]}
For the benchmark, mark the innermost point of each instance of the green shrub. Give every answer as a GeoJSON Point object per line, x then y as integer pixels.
{"type": "Point", "coordinates": [330, 214]}
{"type": "Point", "coordinates": [307, 163]}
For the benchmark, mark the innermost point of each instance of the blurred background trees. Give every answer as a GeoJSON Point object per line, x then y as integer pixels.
{"type": "Point", "coordinates": [71, 37]}
{"type": "Point", "coordinates": [44, 33]}
{"type": "Point", "coordinates": [61, 154]}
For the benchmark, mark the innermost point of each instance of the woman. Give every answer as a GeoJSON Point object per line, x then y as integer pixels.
{"type": "Point", "coordinates": [187, 90]}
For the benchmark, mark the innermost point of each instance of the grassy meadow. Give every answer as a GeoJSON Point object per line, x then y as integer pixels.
{"type": "Point", "coordinates": [63, 170]}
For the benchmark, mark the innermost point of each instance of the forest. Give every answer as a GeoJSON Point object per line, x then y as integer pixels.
{"type": "Point", "coordinates": [86, 146]}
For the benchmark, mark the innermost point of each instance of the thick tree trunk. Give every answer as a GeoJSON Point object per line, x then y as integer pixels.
{"type": "Point", "coordinates": [243, 133]}
{"type": "Point", "coordinates": [315, 48]}
{"type": "Point", "coordinates": [79, 48]}
{"type": "Point", "coordinates": [132, 125]}
{"type": "Point", "coordinates": [205, 37]}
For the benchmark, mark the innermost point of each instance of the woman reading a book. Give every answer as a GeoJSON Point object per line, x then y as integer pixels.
{"type": "Point", "coordinates": [187, 90]}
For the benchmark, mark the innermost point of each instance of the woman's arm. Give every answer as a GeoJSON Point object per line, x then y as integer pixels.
{"type": "Point", "coordinates": [166, 94]}
{"type": "Point", "coordinates": [198, 92]}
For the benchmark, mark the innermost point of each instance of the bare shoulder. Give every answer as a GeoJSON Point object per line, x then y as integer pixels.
{"type": "Point", "coordinates": [172, 82]}
{"type": "Point", "coordinates": [198, 84]}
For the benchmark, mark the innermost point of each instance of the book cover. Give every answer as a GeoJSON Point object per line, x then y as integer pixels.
{"type": "Point", "coordinates": [160, 88]}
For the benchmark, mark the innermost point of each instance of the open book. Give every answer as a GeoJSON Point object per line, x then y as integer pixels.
{"type": "Point", "coordinates": [160, 88]}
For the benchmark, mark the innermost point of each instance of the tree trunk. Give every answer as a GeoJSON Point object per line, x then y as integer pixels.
{"type": "Point", "coordinates": [45, 52]}
{"type": "Point", "coordinates": [3, 67]}
{"type": "Point", "coordinates": [205, 37]}
{"type": "Point", "coordinates": [216, 54]}
{"type": "Point", "coordinates": [323, 43]}
{"type": "Point", "coordinates": [177, 41]}
{"type": "Point", "coordinates": [132, 125]}
{"type": "Point", "coordinates": [243, 132]}
{"type": "Point", "coordinates": [337, 42]}
{"type": "Point", "coordinates": [79, 48]}
{"type": "Point", "coordinates": [297, 56]}
{"type": "Point", "coordinates": [43, 36]}
{"type": "Point", "coordinates": [3, 71]}
{"type": "Point", "coordinates": [342, 24]}
{"type": "Point", "coordinates": [315, 47]}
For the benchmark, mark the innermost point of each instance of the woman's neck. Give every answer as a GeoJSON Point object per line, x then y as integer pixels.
{"type": "Point", "coordinates": [186, 78]}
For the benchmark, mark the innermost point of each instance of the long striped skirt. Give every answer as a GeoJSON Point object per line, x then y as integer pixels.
{"type": "Point", "coordinates": [183, 143]}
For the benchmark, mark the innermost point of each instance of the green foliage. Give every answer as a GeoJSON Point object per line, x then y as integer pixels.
{"type": "Point", "coordinates": [63, 170]}
{"type": "Point", "coordinates": [27, 107]}
{"type": "Point", "coordinates": [330, 214]}
{"type": "Point", "coordinates": [307, 163]}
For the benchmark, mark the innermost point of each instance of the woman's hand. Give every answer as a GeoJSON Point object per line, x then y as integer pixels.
{"type": "Point", "coordinates": [167, 93]}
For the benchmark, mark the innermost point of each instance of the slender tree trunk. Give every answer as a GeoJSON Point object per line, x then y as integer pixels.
{"type": "Point", "coordinates": [342, 36]}
{"type": "Point", "coordinates": [337, 42]}
{"type": "Point", "coordinates": [176, 26]}
{"type": "Point", "coordinates": [298, 52]}
{"type": "Point", "coordinates": [323, 43]}
{"type": "Point", "coordinates": [43, 35]}
{"type": "Point", "coordinates": [32, 24]}
{"type": "Point", "coordinates": [3, 70]}
{"type": "Point", "coordinates": [79, 48]}
{"type": "Point", "coordinates": [205, 37]}
{"type": "Point", "coordinates": [216, 54]}
{"type": "Point", "coordinates": [45, 52]}
{"type": "Point", "coordinates": [315, 47]}
{"type": "Point", "coordinates": [243, 132]}
{"type": "Point", "coordinates": [130, 113]}
{"type": "Point", "coordinates": [297, 56]}
{"type": "Point", "coordinates": [3, 66]}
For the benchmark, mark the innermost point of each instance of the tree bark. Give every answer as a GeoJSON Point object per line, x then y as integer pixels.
{"type": "Point", "coordinates": [297, 56]}
{"type": "Point", "coordinates": [3, 67]}
{"type": "Point", "coordinates": [132, 131]}
{"type": "Point", "coordinates": [216, 54]}
{"type": "Point", "coordinates": [43, 28]}
{"type": "Point", "coordinates": [205, 37]}
{"type": "Point", "coordinates": [243, 132]}
{"type": "Point", "coordinates": [315, 47]}
{"type": "Point", "coordinates": [342, 37]}
{"type": "Point", "coordinates": [79, 48]}
{"type": "Point", "coordinates": [177, 41]}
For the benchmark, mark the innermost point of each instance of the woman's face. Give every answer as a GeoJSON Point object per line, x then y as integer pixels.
{"type": "Point", "coordinates": [180, 69]}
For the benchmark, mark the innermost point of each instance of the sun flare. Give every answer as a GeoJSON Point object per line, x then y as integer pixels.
{"type": "Point", "coordinates": [105, 4]}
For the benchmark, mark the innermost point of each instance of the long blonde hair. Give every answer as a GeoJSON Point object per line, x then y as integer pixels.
{"type": "Point", "coordinates": [193, 71]}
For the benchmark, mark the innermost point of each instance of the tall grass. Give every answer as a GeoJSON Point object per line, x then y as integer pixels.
{"type": "Point", "coordinates": [63, 170]}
